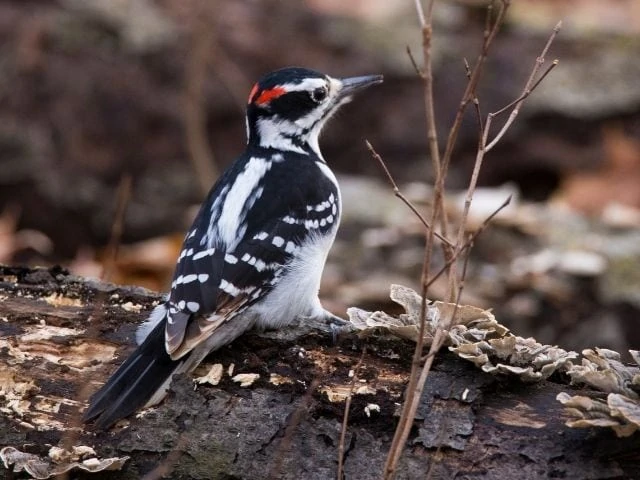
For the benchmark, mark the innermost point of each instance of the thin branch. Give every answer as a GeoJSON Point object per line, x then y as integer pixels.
{"type": "Point", "coordinates": [406, 418]}
{"type": "Point", "coordinates": [399, 194]}
{"type": "Point", "coordinates": [420, 14]}
{"type": "Point", "coordinates": [438, 341]}
{"type": "Point", "coordinates": [414, 63]}
{"type": "Point", "coordinates": [484, 148]}
{"type": "Point", "coordinates": [345, 419]}
{"type": "Point", "coordinates": [470, 241]}
{"type": "Point", "coordinates": [429, 15]}
{"type": "Point", "coordinates": [294, 420]}
{"type": "Point", "coordinates": [467, 68]}
{"type": "Point", "coordinates": [123, 196]}
{"type": "Point", "coordinates": [527, 92]}
{"type": "Point", "coordinates": [476, 104]}
{"type": "Point", "coordinates": [528, 88]}
{"type": "Point", "coordinates": [199, 58]}
{"type": "Point", "coordinates": [490, 33]}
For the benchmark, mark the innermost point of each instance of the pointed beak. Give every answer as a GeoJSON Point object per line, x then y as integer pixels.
{"type": "Point", "coordinates": [353, 84]}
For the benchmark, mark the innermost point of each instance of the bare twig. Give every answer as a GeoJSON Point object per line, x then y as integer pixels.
{"type": "Point", "coordinates": [484, 133]}
{"type": "Point", "coordinates": [406, 418]}
{"type": "Point", "coordinates": [414, 63]}
{"type": "Point", "coordinates": [345, 419]}
{"type": "Point", "coordinates": [451, 253]}
{"type": "Point", "coordinates": [292, 424]}
{"type": "Point", "coordinates": [527, 92]}
{"type": "Point", "coordinates": [467, 245]}
{"type": "Point", "coordinates": [528, 88]}
{"type": "Point", "coordinates": [122, 200]}
{"type": "Point", "coordinates": [420, 14]}
{"type": "Point", "coordinates": [491, 30]}
{"type": "Point", "coordinates": [399, 194]}
{"type": "Point", "coordinates": [467, 68]}
{"type": "Point", "coordinates": [198, 60]}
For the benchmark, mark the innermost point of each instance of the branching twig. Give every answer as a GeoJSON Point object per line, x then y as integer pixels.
{"type": "Point", "coordinates": [484, 133]}
{"type": "Point", "coordinates": [400, 195]}
{"type": "Point", "coordinates": [528, 88]}
{"type": "Point", "coordinates": [441, 164]}
{"type": "Point", "coordinates": [470, 241]}
{"type": "Point", "coordinates": [406, 417]}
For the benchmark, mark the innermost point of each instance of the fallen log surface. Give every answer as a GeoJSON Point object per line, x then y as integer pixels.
{"type": "Point", "coordinates": [61, 336]}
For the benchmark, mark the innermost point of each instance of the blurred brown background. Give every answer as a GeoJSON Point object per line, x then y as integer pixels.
{"type": "Point", "coordinates": [146, 98]}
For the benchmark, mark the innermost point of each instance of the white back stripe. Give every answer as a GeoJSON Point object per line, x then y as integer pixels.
{"type": "Point", "coordinates": [229, 226]}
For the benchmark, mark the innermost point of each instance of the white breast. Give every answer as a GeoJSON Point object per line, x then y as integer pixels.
{"type": "Point", "coordinates": [296, 293]}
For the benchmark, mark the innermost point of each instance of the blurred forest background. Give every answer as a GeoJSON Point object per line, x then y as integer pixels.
{"type": "Point", "coordinates": [116, 117]}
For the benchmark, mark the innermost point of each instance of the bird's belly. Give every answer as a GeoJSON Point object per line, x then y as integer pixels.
{"type": "Point", "coordinates": [296, 293]}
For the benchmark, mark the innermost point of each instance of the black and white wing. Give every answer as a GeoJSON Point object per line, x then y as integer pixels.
{"type": "Point", "coordinates": [240, 245]}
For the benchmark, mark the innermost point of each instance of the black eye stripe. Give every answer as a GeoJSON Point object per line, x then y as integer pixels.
{"type": "Point", "coordinates": [293, 105]}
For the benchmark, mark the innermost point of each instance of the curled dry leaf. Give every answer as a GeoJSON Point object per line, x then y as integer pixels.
{"type": "Point", "coordinates": [474, 334]}
{"type": "Point", "coordinates": [59, 461]}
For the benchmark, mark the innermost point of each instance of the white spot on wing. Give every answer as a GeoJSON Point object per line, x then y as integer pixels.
{"type": "Point", "coordinates": [278, 241]}
{"type": "Point", "coordinates": [229, 288]}
{"type": "Point", "coordinates": [189, 278]}
{"type": "Point", "coordinates": [232, 259]}
{"type": "Point", "coordinates": [204, 253]}
{"type": "Point", "coordinates": [193, 306]}
{"type": "Point", "coordinates": [290, 248]}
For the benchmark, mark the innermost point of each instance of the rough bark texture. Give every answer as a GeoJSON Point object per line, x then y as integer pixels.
{"type": "Point", "coordinates": [60, 336]}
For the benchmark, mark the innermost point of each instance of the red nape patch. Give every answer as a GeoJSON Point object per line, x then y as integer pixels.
{"type": "Point", "coordinates": [268, 95]}
{"type": "Point", "coordinates": [253, 92]}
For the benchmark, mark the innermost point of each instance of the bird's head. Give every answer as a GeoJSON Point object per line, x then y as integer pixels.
{"type": "Point", "coordinates": [288, 108]}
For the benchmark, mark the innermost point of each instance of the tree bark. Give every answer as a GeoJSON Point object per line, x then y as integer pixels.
{"type": "Point", "coordinates": [61, 336]}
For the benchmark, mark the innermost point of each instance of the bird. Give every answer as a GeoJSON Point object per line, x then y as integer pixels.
{"type": "Point", "coordinates": [255, 253]}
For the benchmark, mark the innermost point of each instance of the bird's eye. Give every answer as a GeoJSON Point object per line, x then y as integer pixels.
{"type": "Point", "coordinates": [319, 94]}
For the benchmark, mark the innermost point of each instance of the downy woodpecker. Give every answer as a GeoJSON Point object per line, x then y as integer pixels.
{"type": "Point", "coordinates": [257, 248]}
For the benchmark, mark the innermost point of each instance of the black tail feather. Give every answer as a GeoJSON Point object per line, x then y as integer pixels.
{"type": "Point", "coordinates": [135, 382]}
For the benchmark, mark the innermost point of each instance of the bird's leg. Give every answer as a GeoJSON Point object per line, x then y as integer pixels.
{"type": "Point", "coordinates": [337, 325]}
